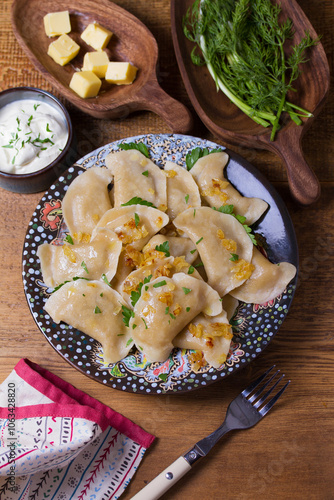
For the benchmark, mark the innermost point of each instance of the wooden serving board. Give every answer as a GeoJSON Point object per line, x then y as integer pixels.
{"type": "Point", "coordinates": [131, 41]}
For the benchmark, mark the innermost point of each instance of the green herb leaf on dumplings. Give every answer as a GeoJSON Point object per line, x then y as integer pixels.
{"type": "Point", "coordinates": [139, 146]}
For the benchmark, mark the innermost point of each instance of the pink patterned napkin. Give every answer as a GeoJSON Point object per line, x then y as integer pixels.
{"type": "Point", "coordinates": [58, 443]}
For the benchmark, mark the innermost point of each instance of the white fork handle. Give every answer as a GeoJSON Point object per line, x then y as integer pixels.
{"type": "Point", "coordinates": [165, 480]}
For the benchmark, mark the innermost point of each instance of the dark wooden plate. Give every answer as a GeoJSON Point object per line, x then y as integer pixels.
{"type": "Point", "coordinates": [227, 122]}
{"type": "Point", "coordinates": [131, 41]}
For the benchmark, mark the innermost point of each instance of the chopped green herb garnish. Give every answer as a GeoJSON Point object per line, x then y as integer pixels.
{"type": "Point", "coordinates": [191, 269]}
{"type": "Point", "coordinates": [105, 279]}
{"type": "Point", "coordinates": [229, 209]}
{"type": "Point", "coordinates": [120, 334]}
{"type": "Point", "coordinates": [164, 247]}
{"type": "Point", "coordinates": [225, 209]}
{"type": "Point", "coordinates": [198, 153]}
{"type": "Point", "coordinates": [83, 265]}
{"type": "Point", "coordinates": [48, 128]}
{"type": "Point", "coordinates": [101, 294]}
{"type": "Point", "coordinates": [193, 251]}
{"type": "Point", "coordinates": [145, 173]}
{"type": "Point", "coordinates": [167, 310]}
{"type": "Point", "coordinates": [144, 323]}
{"type": "Point", "coordinates": [159, 284]}
{"type": "Point", "coordinates": [186, 290]}
{"type": "Point", "coordinates": [187, 309]}
{"type": "Point", "coordinates": [240, 218]}
{"type": "Point", "coordinates": [140, 347]}
{"type": "Point", "coordinates": [134, 326]}
{"type": "Point", "coordinates": [68, 238]}
{"type": "Point", "coordinates": [234, 257]}
{"type": "Point", "coordinates": [29, 120]}
{"type": "Point", "coordinates": [137, 219]}
{"type": "Point", "coordinates": [200, 264]}
{"type": "Point", "coordinates": [194, 212]}
{"type": "Point", "coordinates": [140, 146]}
{"type": "Point", "coordinates": [59, 286]}
{"type": "Point", "coordinates": [172, 316]}
{"type": "Point", "coordinates": [97, 310]}
{"type": "Point", "coordinates": [9, 146]}
{"type": "Point", "coordinates": [186, 198]}
{"type": "Point", "coordinates": [135, 294]}
{"type": "Point", "coordinates": [127, 315]}
{"type": "Point", "coordinates": [129, 342]}
{"type": "Point", "coordinates": [36, 106]}
{"type": "Point", "coordinates": [199, 241]}
{"type": "Point", "coordinates": [136, 200]}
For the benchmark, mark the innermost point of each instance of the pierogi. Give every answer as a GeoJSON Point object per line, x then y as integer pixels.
{"type": "Point", "coordinates": [86, 200]}
{"type": "Point", "coordinates": [151, 261]}
{"type": "Point", "coordinates": [209, 173]}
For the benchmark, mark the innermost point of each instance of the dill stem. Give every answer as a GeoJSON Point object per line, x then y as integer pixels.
{"type": "Point", "coordinates": [281, 105]}
{"type": "Point", "coordinates": [236, 100]}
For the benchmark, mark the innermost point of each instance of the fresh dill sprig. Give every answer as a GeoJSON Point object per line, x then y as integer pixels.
{"type": "Point", "coordinates": [242, 44]}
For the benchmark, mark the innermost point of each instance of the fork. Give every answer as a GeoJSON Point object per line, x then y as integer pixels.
{"type": "Point", "coordinates": [243, 412]}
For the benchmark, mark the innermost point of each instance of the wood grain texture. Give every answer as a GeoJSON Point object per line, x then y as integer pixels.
{"type": "Point", "coordinates": [232, 125]}
{"type": "Point", "coordinates": [131, 41]}
{"type": "Point", "coordinates": [292, 449]}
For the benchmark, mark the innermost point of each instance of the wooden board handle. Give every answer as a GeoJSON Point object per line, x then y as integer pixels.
{"type": "Point", "coordinates": [154, 98]}
{"type": "Point", "coordinates": [156, 488]}
{"type": "Point", "coordinates": [303, 183]}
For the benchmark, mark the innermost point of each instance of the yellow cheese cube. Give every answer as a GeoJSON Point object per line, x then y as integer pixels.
{"type": "Point", "coordinates": [96, 36]}
{"type": "Point", "coordinates": [63, 50]}
{"type": "Point", "coordinates": [96, 62]}
{"type": "Point", "coordinates": [57, 23]}
{"type": "Point", "coordinates": [121, 73]}
{"type": "Point", "coordinates": [85, 84]}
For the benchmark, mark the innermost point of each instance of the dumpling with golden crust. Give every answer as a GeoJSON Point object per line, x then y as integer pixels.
{"type": "Point", "coordinates": [87, 260]}
{"type": "Point", "coordinates": [155, 268]}
{"type": "Point", "coordinates": [268, 280]}
{"type": "Point", "coordinates": [135, 175]}
{"type": "Point", "coordinates": [210, 334]}
{"type": "Point", "coordinates": [95, 309]}
{"type": "Point", "coordinates": [209, 172]}
{"type": "Point", "coordinates": [178, 246]}
{"type": "Point", "coordinates": [86, 200]}
{"type": "Point", "coordinates": [166, 305]}
{"type": "Point", "coordinates": [182, 190]}
{"type": "Point", "coordinates": [219, 238]}
{"type": "Point", "coordinates": [134, 224]}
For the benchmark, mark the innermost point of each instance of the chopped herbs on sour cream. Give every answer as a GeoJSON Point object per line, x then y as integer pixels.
{"type": "Point", "coordinates": [32, 134]}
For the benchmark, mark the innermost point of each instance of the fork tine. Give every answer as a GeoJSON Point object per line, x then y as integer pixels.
{"type": "Point", "coordinates": [260, 391]}
{"type": "Point", "coordinates": [264, 397]}
{"type": "Point", "coordinates": [273, 400]}
{"type": "Point", "coordinates": [254, 384]}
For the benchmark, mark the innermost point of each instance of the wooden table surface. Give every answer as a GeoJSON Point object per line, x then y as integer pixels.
{"type": "Point", "coordinates": [290, 454]}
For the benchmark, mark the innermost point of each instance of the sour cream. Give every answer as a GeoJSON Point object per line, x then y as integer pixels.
{"type": "Point", "coordinates": [32, 135]}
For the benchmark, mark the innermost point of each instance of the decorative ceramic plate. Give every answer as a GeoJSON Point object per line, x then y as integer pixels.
{"type": "Point", "coordinates": [254, 325]}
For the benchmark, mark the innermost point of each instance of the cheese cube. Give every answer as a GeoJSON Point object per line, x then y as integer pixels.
{"type": "Point", "coordinates": [96, 36]}
{"type": "Point", "coordinates": [121, 73]}
{"type": "Point", "coordinates": [85, 84]}
{"type": "Point", "coordinates": [63, 50]}
{"type": "Point", "coordinates": [57, 23]}
{"type": "Point", "coordinates": [96, 62]}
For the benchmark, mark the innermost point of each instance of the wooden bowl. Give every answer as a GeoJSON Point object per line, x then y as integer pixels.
{"type": "Point", "coordinates": [131, 41]}
{"type": "Point", "coordinates": [228, 122]}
